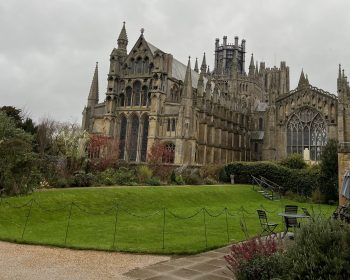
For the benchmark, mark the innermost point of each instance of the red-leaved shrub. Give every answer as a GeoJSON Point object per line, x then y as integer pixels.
{"type": "Point", "coordinates": [244, 252]}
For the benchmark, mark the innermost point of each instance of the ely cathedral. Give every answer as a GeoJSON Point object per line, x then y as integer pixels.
{"type": "Point", "coordinates": [203, 116]}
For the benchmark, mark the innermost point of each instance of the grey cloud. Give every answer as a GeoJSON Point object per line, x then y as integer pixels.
{"type": "Point", "coordinates": [48, 49]}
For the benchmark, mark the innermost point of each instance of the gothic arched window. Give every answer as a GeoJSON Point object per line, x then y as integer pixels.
{"type": "Point", "coordinates": [306, 129]}
{"type": "Point", "coordinates": [169, 153]}
{"type": "Point", "coordinates": [144, 138]}
{"type": "Point", "coordinates": [145, 65]}
{"type": "Point", "coordinates": [128, 96]}
{"type": "Point", "coordinates": [136, 93]}
{"type": "Point", "coordinates": [144, 96]}
{"type": "Point", "coordinates": [121, 99]}
{"type": "Point", "coordinates": [138, 65]}
{"type": "Point", "coordinates": [134, 133]}
{"type": "Point", "coordinates": [122, 138]}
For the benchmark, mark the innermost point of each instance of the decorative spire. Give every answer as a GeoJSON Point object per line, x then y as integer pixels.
{"type": "Point", "coordinates": [339, 73]}
{"type": "Point", "coordinates": [123, 39]}
{"type": "Point", "coordinates": [187, 89]}
{"type": "Point", "coordinates": [256, 68]}
{"type": "Point", "coordinates": [93, 94]}
{"type": "Point", "coordinates": [251, 66]}
{"type": "Point", "coordinates": [204, 64]}
{"type": "Point", "coordinates": [302, 80]}
{"type": "Point", "coordinates": [196, 66]}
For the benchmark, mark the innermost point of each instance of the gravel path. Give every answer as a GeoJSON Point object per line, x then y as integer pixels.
{"type": "Point", "coordinates": [41, 263]}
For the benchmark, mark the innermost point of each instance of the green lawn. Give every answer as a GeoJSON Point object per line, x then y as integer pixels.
{"type": "Point", "coordinates": [137, 224]}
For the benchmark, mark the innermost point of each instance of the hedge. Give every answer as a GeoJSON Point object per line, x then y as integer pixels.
{"type": "Point", "coordinates": [301, 181]}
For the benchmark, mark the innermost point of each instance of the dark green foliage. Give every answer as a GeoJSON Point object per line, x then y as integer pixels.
{"type": "Point", "coordinates": [179, 180]}
{"type": "Point", "coordinates": [154, 181]}
{"type": "Point", "coordinates": [18, 172]}
{"type": "Point", "coordinates": [192, 179]}
{"type": "Point", "coordinates": [173, 177]}
{"type": "Point", "coordinates": [294, 161]}
{"type": "Point", "coordinates": [121, 176]}
{"type": "Point", "coordinates": [82, 179]}
{"type": "Point", "coordinates": [321, 250]}
{"type": "Point", "coordinates": [300, 181]}
{"type": "Point", "coordinates": [61, 183]}
{"type": "Point", "coordinates": [16, 114]}
{"type": "Point", "coordinates": [329, 171]}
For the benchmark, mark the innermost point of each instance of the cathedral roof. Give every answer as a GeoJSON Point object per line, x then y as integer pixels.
{"type": "Point", "coordinates": [179, 69]}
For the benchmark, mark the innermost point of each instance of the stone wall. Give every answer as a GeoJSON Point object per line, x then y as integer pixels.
{"type": "Point", "coordinates": [343, 165]}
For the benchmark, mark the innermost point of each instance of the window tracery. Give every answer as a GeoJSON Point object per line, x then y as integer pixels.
{"type": "Point", "coordinates": [134, 132]}
{"type": "Point", "coordinates": [123, 125]}
{"type": "Point", "coordinates": [306, 129]}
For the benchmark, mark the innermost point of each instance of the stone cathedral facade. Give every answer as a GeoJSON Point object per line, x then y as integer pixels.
{"type": "Point", "coordinates": [205, 116]}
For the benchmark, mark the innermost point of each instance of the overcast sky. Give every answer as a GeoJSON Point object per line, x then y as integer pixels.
{"type": "Point", "coordinates": [48, 49]}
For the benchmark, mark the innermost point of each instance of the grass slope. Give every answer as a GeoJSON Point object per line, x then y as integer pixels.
{"type": "Point", "coordinates": [137, 226]}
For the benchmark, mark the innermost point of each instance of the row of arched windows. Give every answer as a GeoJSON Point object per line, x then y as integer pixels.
{"type": "Point", "coordinates": [243, 87]}
{"type": "Point", "coordinates": [140, 66]}
{"type": "Point", "coordinates": [133, 138]}
{"type": "Point", "coordinates": [135, 96]}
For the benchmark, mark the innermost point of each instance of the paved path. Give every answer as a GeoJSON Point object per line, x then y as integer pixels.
{"type": "Point", "coordinates": [205, 266]}
{"type": "Point", "coordinates": [18, 262]}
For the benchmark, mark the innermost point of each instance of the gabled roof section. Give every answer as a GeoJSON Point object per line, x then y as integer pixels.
{"type": "Point", "coordinates": [178, 68]}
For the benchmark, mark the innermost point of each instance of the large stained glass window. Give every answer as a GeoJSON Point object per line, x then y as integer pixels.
{"type": "Point", "coordinates": [144, 139]}
{"type": "Point", "coordinates": [128, 96]}
{"type": "Point", "coordinates": [306, 129]}
{"type": "Point", "coordinates": [134, 132]}
{"type": "Point", "coordinates": [136, 93]}
{"type": "Point", "coordinates": [123, 125]}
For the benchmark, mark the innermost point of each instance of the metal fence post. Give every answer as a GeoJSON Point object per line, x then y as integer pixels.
{"type": "Point", "coordinates": [163, 228]}
{"type": "Point", "coordinates": [115, 225]}
{"type": "Point", "coordinates": [28, 214]}
{"type": "Point", "coordinates": [205, 229]}
{"type": "Point", "coordinates": [228, 233]}
{"type": "Point", "coordinates": [70, 214]}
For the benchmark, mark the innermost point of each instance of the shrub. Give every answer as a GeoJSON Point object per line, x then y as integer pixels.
{"type": "Point", "coordinates": [61, 183]}
{"type": "Point", "coordinates": [179, 180]}
{"type": "Point", "coordinates": [302, 181]}
{"type": "Point", "coordinates": [329, 171]}
{"type": "Point", "coordinates": [211, 171]}
{"type": "Point", "coordinates": [256, 259]}
{"type": "Point", "coordinates": [173, 177]}
{"type": "Point", "coordinates": [144, 173]}
{"type": "Point", "coordinates": [294, 161]}
{"type": "Point", "coordinates": [106, 177]}
{"type": "Point", "coordinates": [209, 181]}
{"type": "Point", "coordinates": [82, 179]}
{"type": "Point", "coordinates": [321, 250]}
{"type": "Point", "coordinates": [192, 179]}
{"type": "Point", "coordinates": [124, 176]}
{"type": "Point", "coordinates": [154, 181]}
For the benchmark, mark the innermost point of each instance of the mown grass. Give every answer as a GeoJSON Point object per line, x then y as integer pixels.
{"type": "Point", "coordinates": [137, 226]}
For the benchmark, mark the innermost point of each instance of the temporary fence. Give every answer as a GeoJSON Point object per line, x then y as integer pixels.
{"type": "Point", "coordinates": [236, 230]}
